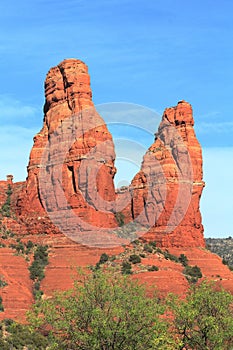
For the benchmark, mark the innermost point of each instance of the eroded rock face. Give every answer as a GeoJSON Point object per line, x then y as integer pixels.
{"type": "Point", "coordinates": [71, 171]}
{"type": "Point", "coordinates": [167, 190]}
{"type": "Point", "coordinates": [72, 160]}
{"type": "Point", "coordinates": [71, 166]}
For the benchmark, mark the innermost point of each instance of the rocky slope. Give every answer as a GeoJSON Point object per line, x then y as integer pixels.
{"type": "Point", "coordinates": [223, 247]}
{"type": "Point", "coordinates": [69, 202]}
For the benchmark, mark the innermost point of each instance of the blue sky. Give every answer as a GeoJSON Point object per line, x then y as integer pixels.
{"type": "Point", "coordinates": [152, 53]}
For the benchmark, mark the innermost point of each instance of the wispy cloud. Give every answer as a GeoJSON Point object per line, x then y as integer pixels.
{"type": "Point", "coordinates": [216, 127]}
{"type": "Point", "coordinates": [13, 111]}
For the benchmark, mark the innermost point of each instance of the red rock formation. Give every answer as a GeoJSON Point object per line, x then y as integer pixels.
{"type": "Point", "coordinates": [17, 294]}
{"type": "Point", "coordinates": [72, 167]}
{"type": "Point", "coordinates": [72, 161]}
{"type": "Point", "coordinates": [167, 190]}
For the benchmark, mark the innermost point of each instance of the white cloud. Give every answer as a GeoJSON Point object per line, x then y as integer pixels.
{"type": "Point", "coordinates": [214, 127]}
{"type": "Point", "coordinates": [13, 111]}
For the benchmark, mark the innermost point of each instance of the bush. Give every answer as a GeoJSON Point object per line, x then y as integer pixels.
{"type": "Point", "coordinates": [147, 248]}
{"type": "Point", "coordinates": [6, 208]}
{"type": "Point", "coordinates": [194, 272]}
{"type": "Point", "coordinates": [153, 268]}
{"type": "Point", "coordinates": [1, 306]}
{"type": "Point", "coordinates": [105, 311]}
{"type": "Point", "coordinates": [153, 244]}
{"type": "Point", "coordinates": [23, 337]}
{"type": "Point", "coordinates": [170, 256]}
{"type": "Point", "coordinates": [3, 283]}
{"type": "Point", "coordinates": [104, 258]}
{"type": "Point", "coordinates": [183, 259]}
{"type": "Point", "coordinates": [40, 261]}
{"type": "Point", "coordinates": [204, 319]}
{"type": "Point", "coordinates": [126, 268]}
{"type": "Point", "coordinates": [134, 259]}
{"type": "Point", "coordinates": [29, 245]}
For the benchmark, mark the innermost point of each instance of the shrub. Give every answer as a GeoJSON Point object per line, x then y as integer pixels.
{"type": "Point", "coordinates": [3, 283]}
{"type": "Point", "coordinates": [153, 244]}
{"type": "Point", "coordinates": [40, 261]}
{"type": "Point", "coordinates": [204, 319]}
{"type": "Point", "coordinates": [194, 272]}
{"type": "Point", "coordinates": [147, 248]}
{"type": "Point", "coordinates": [170, 256]}
{"type": "Point", "coordinates": [183, 259]}
{"type": "Point", "coordinates": [1, 306]}
{"type": "Point", "coordinates": [153, 268]}
{"type": "Point", "coordinates": [6, 208]}
{"type": "Point", "coordinates": [105, 311]}
{"type": "Point", "coordinates": [104, 258]}
{"type": "Point", "coordinates": [134, 259]}
{"type": "Point", "coordinates": [126, 268]}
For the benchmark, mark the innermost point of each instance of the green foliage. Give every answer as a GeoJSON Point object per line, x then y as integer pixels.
{"type": "Point", "coordinates": [104, 311]}
{"type": "Point", "coordinates": [134, 259]}
{"type": "Point", "coordinates": [126, 268]}
{"type": "Point", "coordinates": [20, 337]}
{"type": "Point", "coordinates": [136, 242]}
{"type": "Point", "coordinates": [120, 218]}
{"type": "Point", "coordinates": [225, 262]}
{"type": "Point", "coordinates": [20, 247]}
{"type": "Point", "coordinates": [104, 258]}
{"type": "Point", "coordinates": [2, 283]}
{"type": "Point", "coordinates": [193, 273]}
{"type": "Point", "coordinates": [153, 268]}
{"type": "Point", "coordinates": [1, 306]}
{"type": "Point", "coordinates": [183, 259]}
{"type": "Point", "coordinates": [147, 248]}
{"type": "Point", "coordinates": [170, 256]}
{"type": "Point", "coordinates": [40, 261]}
{"type": "Point", "coordinates": [153, 244]}
{"type": "Point", "coordinates": [6, 208]}
{"type": "Point", "coordinates": [204, 320]}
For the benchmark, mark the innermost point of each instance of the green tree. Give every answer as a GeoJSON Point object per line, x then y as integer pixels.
{"type": "Point", "coordinates": [6, 208]}
{"type": "Point", "coordinates": [183, 259]}
{"type": "Point", "coordinates": [21, 337]}
{"type": "Point", "coordinates": [134, 259]}
{"type": "Point", "coordinates": [105, 311]}
{"type": "Point", "coordinates": [204, 320]}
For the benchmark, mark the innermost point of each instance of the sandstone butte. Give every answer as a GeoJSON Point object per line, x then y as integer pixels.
{"type": "Point", "coordinates": [69, 201]}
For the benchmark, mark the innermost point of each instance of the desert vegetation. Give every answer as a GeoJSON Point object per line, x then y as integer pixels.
{"type": "Point", "coordinates": [108, 311]}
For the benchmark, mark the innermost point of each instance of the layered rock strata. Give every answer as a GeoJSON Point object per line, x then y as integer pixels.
{"type": "Point", "coordinates": [70, 185]}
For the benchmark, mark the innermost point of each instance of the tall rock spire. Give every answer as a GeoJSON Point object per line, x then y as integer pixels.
{"type": "Point", "coordinates": [71, 170]}
{"type": "Point", "coordinates": [166, 192]}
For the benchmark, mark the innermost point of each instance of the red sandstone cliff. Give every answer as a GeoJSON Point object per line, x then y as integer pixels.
{"type": "Point", "coordinates": [71, 171]}
{"type": "Point", "coordinates": [72, 160]}
{"type": "Point", "coordinates": [166, 192]}
{"type": "Point", "coordinates": [70, 184]}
